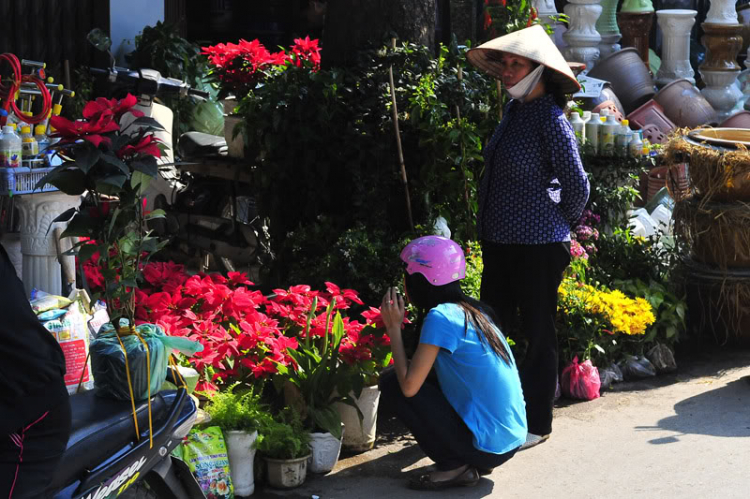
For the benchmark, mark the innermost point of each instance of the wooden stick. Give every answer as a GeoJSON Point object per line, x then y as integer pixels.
{"type": "Point", "coordinates": [398, 141]}
{"type": "Point", "coordinates": [66, 66]}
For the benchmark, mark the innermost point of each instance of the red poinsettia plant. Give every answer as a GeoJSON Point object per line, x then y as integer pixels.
{"type": "Point", "coordinates": [114, 166]}
{"type": "Point", "coordinates": [238, 67]}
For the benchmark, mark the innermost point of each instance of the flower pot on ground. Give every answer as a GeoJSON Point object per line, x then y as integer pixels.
{"type": "Point", "coordinates": [325, 451]}
{"type": "Point", "coordinates": [238, 415]}
{"type": "Point", "coordinates": [360, 433]}
{"type": "Point", "coordinates": [285, 446]}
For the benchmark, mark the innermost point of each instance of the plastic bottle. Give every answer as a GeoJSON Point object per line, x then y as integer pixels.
{"type": "Point", "coordinates": [635, 148]}
{"type": "Point", "coordinates": [10, 148]}
{"type": "Point", "coordinates": [609, 129]}
{"type": "Point", "coordinates": [29, 145]}
{"type": "Point", "coordinates": [622, 139]}
{"type": "Point", "coordinates": [578, 127]}
{"type": "Point", "coordinates": [41, 138]}
{"type": "Point", "coordinates": [592, 132]}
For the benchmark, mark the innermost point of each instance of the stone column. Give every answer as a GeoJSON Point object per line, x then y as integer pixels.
{"type": "Point", "coordinates": [41, 269]}
{"type": "Point", "coordinates": [582, 37]}
{"type": "Point", "coordinates": [722, 37]}
{"type": "Point", "coordinates": [608, 29]}
{"type": "Point", "coordinates": [675, 26]}
{"type": "Point", "coordinates": [746, 85]}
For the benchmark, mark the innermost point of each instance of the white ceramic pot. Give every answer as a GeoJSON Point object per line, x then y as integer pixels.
{"type": "Point", "coordinates": [286, 473]}
{"type": "Point", "coordinates": [582, 37]}
{"type": "Point", "coordinates": [235, 144]}
{"type": "Point", "coordinates": [325, 451]}
{"type": "Point", "coordinates": [360, 436]}
{"type": "Point", "coordinates": [241, 451]}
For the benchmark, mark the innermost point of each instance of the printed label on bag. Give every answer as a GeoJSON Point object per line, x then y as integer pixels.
{"type": "Point", "coordinates": [75, 361]}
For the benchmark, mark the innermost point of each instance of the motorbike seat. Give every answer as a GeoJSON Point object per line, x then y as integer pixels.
{"type": "Point", "coordinates": [196, 145]}
{"type": "Point", "coordinates": [101, 427]}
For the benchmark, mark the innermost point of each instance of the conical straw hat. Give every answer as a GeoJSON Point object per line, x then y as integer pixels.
{"type": "Point", "coordinates": [532, 43]}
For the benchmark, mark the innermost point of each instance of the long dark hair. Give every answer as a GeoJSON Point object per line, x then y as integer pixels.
{"type": "Point", "coordinates": [552, 88]}
{"type": "Point", "coordinates": [425, 297]}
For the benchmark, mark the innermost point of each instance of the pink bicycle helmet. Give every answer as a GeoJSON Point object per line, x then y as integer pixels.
{"type": "Point", "coordinates": [439, 259]}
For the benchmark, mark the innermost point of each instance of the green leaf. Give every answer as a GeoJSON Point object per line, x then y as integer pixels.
{"type": "Point", "coordinates": [113, 160]}
{"type": "Point", "coordinates": [140, 181]}
{"type": "Point", "coordinates": [680, 311]}
{"type": "Point", "coordinates": [599, 349]}
{"type": "Point", "coordinates": [111, 184]}
{"type": "Point", "coordinates": [80, 226]}
{"type": "Point", "coordinates": [147, 165]}
{"type": "Point", "coordinates": [71, 182]}
{"type": "Point", "coordinates": [86, 252]}
{"type": "Point", "coordinates": [671, 331]}
{"type": "Point", "coordinates": [155, 214]}
{"type": "Point", "coordinates": [145, 121]}
{"type": "Point", "coordinates": [327, 419]}
{"type": "Point", "coordinates": [86, 156]}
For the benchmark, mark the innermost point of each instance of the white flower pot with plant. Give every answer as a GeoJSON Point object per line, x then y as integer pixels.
{"type": "Point", "coordinates": [237, 414]}
{"type": "Point", "coordinates": [285, 446]}
{"type": "Point", "coordinates": [360, 432]}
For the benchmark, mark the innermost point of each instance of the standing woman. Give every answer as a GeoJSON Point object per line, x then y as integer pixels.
{"type": "Point", "coordinates": [472, 420]}
{"type": "Point", "coordinates": [533, 190]}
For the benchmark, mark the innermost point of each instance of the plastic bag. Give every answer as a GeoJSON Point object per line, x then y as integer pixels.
{"type": "Point", "coordinates": [108, 362]}
{"type": "Point", "coordinates": [662, 358]}
{"type": "Point", "coordinates": [51, 315]}
{"type": "Point", "coordinates": [49, 302]}
{"type": "Point", "coordinates": [609, 375]}
{"type": "Point", "coordinates": [636, 367]}
{"type": "Point", "coordinates": [72, 335]}
{"type": "Point", "coordinates": [580, 381]}
{"type": "Point", "coordinates": [205, 453]}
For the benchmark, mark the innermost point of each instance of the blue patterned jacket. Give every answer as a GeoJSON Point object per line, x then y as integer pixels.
{"type": "Point", "coordinates": [534, 187]}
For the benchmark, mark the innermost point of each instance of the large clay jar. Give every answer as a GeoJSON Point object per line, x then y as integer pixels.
{"type": "Point", "coordinates": [629, 77]}
{"type": "Point", "coordinates": [685, 105]}
{"type": "Point", "coordinates": [739, 120]}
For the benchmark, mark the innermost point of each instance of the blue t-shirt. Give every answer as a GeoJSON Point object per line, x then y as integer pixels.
{"type": "Point", "coordinates": [481, 387]}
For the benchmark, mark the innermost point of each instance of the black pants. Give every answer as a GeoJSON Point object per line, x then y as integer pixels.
{"type": "Point", "coordinates": [525, 278]}
{"type": "Point", "coordinates": [437, 427]}
{"type": "Point", "coordinates": [29, 456]}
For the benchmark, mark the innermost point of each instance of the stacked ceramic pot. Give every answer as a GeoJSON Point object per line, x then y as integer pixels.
{"type": "Point", "coordinates": [722, 39]}
{"type": "Point", "coordinates": [675, 25]}
{"type": "Point", "coordinates": [635, 19]}
{"type": "Point", "coordinates": [608, 29]}
{"type": "Point", "coordinates": [713, 223]}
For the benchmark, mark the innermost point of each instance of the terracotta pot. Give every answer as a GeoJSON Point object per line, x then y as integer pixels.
{"type": "Point", "coordinates": [683, 103]}
{"type": "Point", "coordinates": [629, 77]}
{"type": "Point", "coordinates": [650, 113]}
{"type": "Point", "coordinates": [608, 96]}
{"type": "Point", "coordinates": [739, 120]}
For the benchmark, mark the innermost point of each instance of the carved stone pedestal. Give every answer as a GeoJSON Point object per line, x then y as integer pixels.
{"type": "Point", "coordinates": [41, 270]}
{"type": "Point", "coordinates": [675, 52]}
{"type": "Point", "coordinates": [582, 37]}
{"type": "Point", "coordinates": [608, 29]}
{"type": "Point", "coordinates": [720, 69]}
{"type": "Point", "coordinates": [635, 27]}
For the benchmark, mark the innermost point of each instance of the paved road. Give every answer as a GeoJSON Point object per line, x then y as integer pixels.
{"type": "Point", "coordinates": [681, 435]}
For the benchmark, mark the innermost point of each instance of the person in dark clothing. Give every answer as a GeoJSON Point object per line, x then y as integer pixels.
{"type": "Point", "coordinates": [35, 413]}
{"type": "Point", "coordinates": [532, 192]}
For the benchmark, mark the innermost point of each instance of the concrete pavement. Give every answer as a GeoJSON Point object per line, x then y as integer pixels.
{"type": "Point", "coordinates": [679, 435]}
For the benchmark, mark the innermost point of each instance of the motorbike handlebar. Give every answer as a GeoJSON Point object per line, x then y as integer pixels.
{"type": "Point", "coordinates": [149, 82]}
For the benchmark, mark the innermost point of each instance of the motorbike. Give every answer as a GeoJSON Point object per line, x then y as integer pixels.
{"type": "Point", "coordinates": [104, 459]}
{"type": "Point", "coordinates": [207, 196]}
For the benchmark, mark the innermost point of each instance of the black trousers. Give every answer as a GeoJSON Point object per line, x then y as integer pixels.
{"type": "Point", "coordinates": [29, 455]}
{"type": "Point", "coordinates": [520, 282]}
{"type": "Point", "coordinates": [437, 427]}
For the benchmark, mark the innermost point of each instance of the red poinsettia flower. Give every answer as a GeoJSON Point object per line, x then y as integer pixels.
{"type": "Point", "coordinates": [147, 145]}
{"type": "Point", "coordinates": [102, 107]}
{"type": "Point", "coordinates": [71, 131]}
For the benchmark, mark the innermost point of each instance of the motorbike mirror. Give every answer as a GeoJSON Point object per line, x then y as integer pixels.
{"type": "Point", "coordinates": [101, 41]}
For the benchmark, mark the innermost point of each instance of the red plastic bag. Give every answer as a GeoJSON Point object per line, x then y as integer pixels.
{"type": "Point", "coordinates": [581, 381]}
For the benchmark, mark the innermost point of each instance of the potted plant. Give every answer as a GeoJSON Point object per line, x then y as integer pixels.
{"type": "Point", "coordinates": [284, 444]}
{"type": "Point", "coordinates": [114, 166]}
{"type": "Point", "coordinates": [237, 68]}
{"type": "Point", "coordinates": [238, 415]}
{"type": "Point", "coordinates": [318, 381]}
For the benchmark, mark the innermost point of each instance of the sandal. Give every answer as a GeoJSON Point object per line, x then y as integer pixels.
{"type": "Point", "coordinates": [468, 478]}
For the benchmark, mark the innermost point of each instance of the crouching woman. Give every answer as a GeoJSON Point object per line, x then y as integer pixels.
{"type": "Point", "coordinates": [473, 419]}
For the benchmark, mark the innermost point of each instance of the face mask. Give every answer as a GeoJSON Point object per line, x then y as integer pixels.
{"type": "Point", "coordinates": [523, 88]}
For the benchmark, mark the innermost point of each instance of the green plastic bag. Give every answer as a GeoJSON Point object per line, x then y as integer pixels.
{"type": "Point", "coordinates": [205, 453]}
